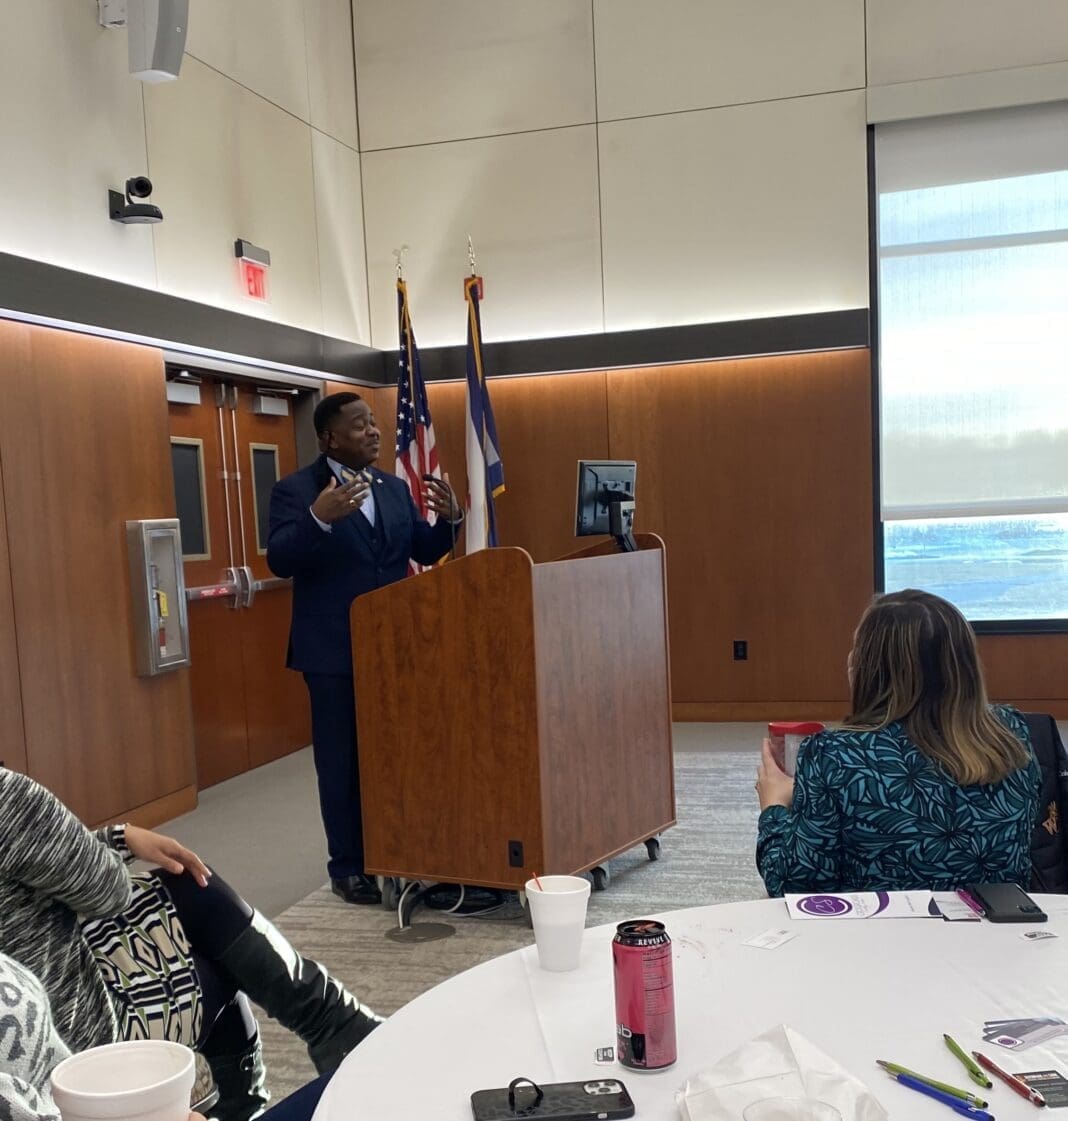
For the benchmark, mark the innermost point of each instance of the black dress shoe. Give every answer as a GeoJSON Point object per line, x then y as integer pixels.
{"type": "Point", "coordinates": [356, 889]}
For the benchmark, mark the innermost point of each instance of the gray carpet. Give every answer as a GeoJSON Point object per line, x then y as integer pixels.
{"type": "Point", "coordinates": [706, 858]}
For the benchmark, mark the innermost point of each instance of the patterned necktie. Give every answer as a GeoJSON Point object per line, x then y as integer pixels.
{"type": "Point", "coordinates": [350, 476]}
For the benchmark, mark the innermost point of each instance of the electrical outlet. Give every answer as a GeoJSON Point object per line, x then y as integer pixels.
{"type": "Point", "coordinates": [741, 650]}
{"type": "Point", "coordinates": [515, 854]}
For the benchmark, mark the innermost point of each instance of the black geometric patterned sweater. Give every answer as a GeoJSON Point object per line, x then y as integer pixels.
{"type": "Point", "coordinates": [107, 946]}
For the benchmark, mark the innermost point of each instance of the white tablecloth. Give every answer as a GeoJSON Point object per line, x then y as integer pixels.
{"type": "Point", "coordinates": [860, 990]}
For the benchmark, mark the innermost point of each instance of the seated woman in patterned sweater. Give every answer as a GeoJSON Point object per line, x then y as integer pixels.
{"type": "Point", "coordinates": [926, 785]}
{"type": "Point", "coordinates": [30, 1049]}
{"type": "Point", "coordinates": [167, 955]}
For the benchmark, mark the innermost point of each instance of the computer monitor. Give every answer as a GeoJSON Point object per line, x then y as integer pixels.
{"type": "Point", "coordinates": [605, 500]}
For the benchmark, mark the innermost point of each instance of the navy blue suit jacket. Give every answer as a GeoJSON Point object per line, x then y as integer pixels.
{"type": "Point", "coordinates": [330, 570]}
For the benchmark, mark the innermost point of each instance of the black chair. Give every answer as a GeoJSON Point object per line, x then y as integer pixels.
{"type": "Point", "coordinates": [1049, 843]}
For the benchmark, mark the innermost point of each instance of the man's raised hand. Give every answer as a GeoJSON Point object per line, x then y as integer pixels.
{"type": "Point", "coordinates": [338, 500]}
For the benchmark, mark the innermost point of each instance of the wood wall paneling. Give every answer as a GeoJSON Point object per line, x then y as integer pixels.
{"type": "Point", "coordinates": [157, 811]}
{"type": "Point", "coordinates": [546, 430]}
{"type": "Point", "coordinates": [545, 425]}
{"type": "Point", "coordinates": [1028, 670]}
{"type": "Point", "coordinates": [83, 434]}
{"type": "Point", "coordinates": [757, 474]}
{"type": "Point", "coordinates": [12, 731]}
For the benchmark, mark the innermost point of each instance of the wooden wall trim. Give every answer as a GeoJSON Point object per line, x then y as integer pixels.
{"type": "Point", "coordinates": [158, 811]}
{"type": "Point", "coordinates": [722, 711]}
{"type": "Point", "coordinates": [1056, 707]}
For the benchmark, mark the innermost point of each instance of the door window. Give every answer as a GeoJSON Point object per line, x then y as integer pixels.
{"type": "Point", "coordinates": [187, 461]}
{"type": "Point", "coordinates": [264, 476]}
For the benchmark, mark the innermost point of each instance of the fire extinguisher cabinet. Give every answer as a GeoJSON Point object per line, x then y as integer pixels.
{"type": "Point", "coordinates": [157, 586]}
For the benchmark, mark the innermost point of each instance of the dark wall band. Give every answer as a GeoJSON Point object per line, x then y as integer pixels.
{"type": "Point", "coordinates": [653, 346]}
{"type": "Point", "coordinates": [36, 288]}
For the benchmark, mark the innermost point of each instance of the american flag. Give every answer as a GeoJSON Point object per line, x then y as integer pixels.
{"type": "Point", "coordinates": [416, 454]}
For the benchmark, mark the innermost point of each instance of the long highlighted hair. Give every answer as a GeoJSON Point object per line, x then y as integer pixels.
{"type": "Point", "coordinates": [915, 660]}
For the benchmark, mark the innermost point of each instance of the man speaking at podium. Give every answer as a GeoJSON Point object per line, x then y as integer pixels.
{"type": "Point", "coordinates": [340, 528]}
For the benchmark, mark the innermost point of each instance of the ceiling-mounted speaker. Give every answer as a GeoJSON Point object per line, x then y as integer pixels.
{"type": "Point", "coordinates": [156, 30]}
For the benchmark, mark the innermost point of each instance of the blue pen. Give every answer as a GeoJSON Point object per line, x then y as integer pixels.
{"type": "Point", "coordinates": [960, 1106]}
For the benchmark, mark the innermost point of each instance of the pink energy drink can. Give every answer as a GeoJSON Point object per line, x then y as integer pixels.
{"type": "Point", "coordinates": [645, 995]}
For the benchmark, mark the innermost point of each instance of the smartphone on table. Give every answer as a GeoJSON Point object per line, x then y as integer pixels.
{"type": "Point", "coordinates": [599, 1099]}
{"type": "Point", "coordinates": [1006, 903]}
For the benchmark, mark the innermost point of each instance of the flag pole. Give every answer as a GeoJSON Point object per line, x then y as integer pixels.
{"type": "Point", "coordinates": [485, 472]}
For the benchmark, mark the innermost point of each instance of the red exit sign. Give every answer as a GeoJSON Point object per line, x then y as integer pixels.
{"type": "Point", "coordinates": [254, 280]}
{"type": "Point", "coordinates": [254, 268]}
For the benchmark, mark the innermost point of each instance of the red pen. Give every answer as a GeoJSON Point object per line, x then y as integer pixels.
{"type": "Point", "coordinates": [1010, 1080]}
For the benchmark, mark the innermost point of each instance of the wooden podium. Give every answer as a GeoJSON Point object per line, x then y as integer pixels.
{"type": "Point", "coordinates": [514, 717]}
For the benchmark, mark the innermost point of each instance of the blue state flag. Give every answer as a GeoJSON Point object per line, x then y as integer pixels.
{"type": "Point", "coordinates": [485, 471]}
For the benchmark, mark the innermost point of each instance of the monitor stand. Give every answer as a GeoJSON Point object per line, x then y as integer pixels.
{"type": "Point", "coordinates": [621, 523]}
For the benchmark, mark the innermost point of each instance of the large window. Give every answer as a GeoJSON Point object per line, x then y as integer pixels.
{"type": "Point", "coordinates": [972, 223]}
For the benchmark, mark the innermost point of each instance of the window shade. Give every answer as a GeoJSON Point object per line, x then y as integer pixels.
{"type": "Point", "coordinates": [973, 314]}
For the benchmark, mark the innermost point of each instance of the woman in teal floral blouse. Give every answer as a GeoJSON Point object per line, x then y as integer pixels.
{"type": "Point", "coordinates": [925, 786]}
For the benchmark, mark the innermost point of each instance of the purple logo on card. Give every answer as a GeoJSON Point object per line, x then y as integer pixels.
{"type": "Point", "coordinates": [826, 906]}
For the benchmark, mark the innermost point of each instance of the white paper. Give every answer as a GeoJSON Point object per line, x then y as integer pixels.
{"type": "Point", "coordinates": [778, 1063]}
{"type": "Point", "coordinates": [862, 905]}
{"type": "Point", "coordinates": [953, 908]}
{"type": "Point", "coordinates": [770, 939]}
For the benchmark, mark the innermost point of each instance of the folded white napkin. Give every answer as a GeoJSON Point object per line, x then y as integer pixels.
{"type": "Point", "coordinates": [778, 1064]}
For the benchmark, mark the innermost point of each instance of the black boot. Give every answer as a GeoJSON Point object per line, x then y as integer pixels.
{"type": "Point", "coordinates": [298, 993]}
{"type": "Point", "coordinates": [242, 1083]}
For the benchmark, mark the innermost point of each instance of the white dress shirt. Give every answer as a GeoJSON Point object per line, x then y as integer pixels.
{"type": "Point", "coordinates": [367, 506]}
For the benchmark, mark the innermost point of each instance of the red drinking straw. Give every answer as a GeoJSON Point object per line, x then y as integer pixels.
{"type": "Point", "coordinates": [537, 881]}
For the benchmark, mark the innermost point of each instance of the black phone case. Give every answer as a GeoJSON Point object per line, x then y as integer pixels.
{"type": "Point", "coordinates": [1006, 903]}
{"type": "Point", "coordinates": [562, 1101]}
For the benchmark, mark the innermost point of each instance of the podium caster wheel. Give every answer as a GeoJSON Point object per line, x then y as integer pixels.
{"type": "Point", "coordinates": [600, 877]}
{"type": "Point", "coordinates": [652, 847]}
{"type": "Point", "coordinates": [390, 888]}
{"type": "Point", "coordinates": [528, 918]}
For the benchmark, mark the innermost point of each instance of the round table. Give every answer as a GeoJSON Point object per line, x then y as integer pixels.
{"type": "Point", "coordinates": [860, 990]}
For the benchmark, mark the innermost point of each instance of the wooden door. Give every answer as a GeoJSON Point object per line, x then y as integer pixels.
{"type": "Point", "coordinates": [276, 702]}
{"type": "Point", "coordinates": [247, 707]}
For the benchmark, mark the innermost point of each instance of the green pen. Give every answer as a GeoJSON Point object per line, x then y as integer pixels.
{"type": "Point", "coordinates": [943, 1086]}
{"type": "Point", "coordinates": [975, 1073]}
